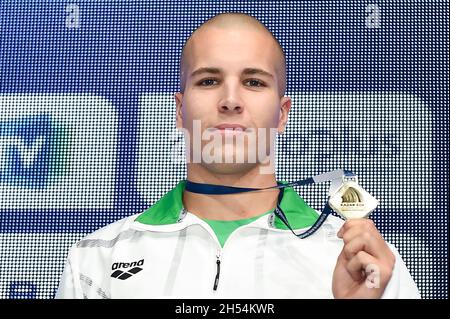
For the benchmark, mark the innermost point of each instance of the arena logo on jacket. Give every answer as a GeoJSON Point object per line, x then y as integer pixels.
{"type": "Point", "coordinates": [124, 270]}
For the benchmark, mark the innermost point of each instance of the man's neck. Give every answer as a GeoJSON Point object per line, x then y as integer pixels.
{"type": "Point", "coordinates": [230, 206]}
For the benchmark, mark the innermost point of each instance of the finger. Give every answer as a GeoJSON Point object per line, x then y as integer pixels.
{"type": "Point", "coordinates": [354, 246]}
{"type": "Point", "coordinates": [350, 233]}
{"type": "Point", "coordinates": [354, 229]}
{"type": "Point", "coordinates": [352, 224]}
{"type": "Point", "coordinates": [366, 231]}
{"type": "Point", "coordinates": [370, 242]}
{"type": "Point", "coordinates": [359, 223]}
{"type": "Point", "coordinates": [357, 265]}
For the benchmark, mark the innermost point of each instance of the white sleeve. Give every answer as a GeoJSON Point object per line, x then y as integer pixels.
{"type": "Point", "coordinates": [69, 285]}
{"type": "Point", "coordinates": [401, 285]}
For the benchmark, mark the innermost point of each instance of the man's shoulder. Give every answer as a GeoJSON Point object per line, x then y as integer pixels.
{"type": "Point", "coordinates": [110, 231]}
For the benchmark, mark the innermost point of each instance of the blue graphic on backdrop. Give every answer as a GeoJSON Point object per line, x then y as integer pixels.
{"type": "Point", "coordinates": [31, 151]}
{"type": "Point", "coordinates": [22, 290]}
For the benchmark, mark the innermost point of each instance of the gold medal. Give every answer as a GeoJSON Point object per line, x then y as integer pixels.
{"type": "Point", "coordinates": [351, 201]}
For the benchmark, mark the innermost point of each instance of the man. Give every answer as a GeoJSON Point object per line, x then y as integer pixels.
{"type": "Point", "coordinates": [193, 245]}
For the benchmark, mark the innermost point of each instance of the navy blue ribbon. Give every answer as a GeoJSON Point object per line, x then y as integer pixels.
{"type": "Point", "coordinates": [211, 189]}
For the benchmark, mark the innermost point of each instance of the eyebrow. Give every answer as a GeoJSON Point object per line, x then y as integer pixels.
{"type": "Point", "coordinates": [247, 71]}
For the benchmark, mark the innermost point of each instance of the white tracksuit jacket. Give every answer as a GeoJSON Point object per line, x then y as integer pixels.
{"type": "Point", "coordinates": [167, 252]}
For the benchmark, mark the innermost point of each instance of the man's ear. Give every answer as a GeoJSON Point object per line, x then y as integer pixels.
{"type": "Point", "coordinates": [286, 104]}
{"type": "Point", "coordinates": [179, 117]}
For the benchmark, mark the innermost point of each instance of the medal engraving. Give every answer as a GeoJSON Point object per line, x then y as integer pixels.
{"type": "Point", "coordinates": [351, 201]}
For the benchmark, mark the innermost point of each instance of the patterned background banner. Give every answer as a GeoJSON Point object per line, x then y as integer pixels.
{"type": "Point", "coordinates": [87, 119]}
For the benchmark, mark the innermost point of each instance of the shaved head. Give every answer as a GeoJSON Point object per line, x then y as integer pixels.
{"type": "Point", "coordinates": [233, 21]}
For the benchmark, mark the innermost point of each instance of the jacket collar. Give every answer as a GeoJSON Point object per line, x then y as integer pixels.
{"type": "Point", "coordinates": [169, 210]}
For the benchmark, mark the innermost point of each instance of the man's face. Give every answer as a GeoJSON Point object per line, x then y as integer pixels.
{"type": "Point", "coordinates": [231, 78]}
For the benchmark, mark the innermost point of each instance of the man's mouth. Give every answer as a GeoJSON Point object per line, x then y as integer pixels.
{"type": "Point", "coordinates": [228, 127]}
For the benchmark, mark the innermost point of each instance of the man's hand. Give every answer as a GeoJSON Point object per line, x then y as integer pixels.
{"type": "Point", "coordinates": [365, 265]}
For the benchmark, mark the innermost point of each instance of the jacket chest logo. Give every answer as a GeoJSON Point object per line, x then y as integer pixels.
{"type": "Point", "coordinates": [124, 271]}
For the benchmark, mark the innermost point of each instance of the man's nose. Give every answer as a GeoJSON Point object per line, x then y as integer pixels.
{"type": "Point", "coordinates": [231, 100]}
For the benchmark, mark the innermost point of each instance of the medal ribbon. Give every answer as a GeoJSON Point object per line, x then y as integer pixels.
{"type": "Point", "coordinates": [333, 176]}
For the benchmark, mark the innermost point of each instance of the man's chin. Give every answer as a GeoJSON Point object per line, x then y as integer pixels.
{"type": "Point", "coordinates": [229, 168]}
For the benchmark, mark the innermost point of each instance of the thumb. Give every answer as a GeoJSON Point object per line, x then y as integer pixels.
{"type": "Point", "coordinates": [340, 232]}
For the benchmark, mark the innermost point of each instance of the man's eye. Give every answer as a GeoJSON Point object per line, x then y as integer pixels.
{"type": "Point", "coordinates": [207, 82]}
{"type": "Point", "coordinates": [253, 82]}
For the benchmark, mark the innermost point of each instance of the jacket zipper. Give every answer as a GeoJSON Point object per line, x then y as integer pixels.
{"type": "Point", "coordinates": [216, 280]}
